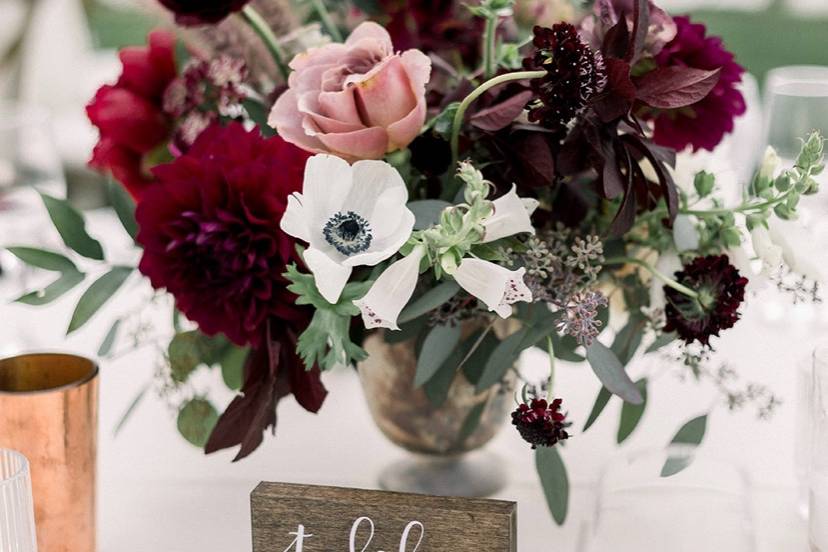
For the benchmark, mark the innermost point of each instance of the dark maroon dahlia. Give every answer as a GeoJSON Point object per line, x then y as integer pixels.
{"type": "Point", "coordinates": [202, 12]}
{"type": "Point", "coordinates": [703, 124]}
{"type": "Point", "coordinates": [574, 74]}
{"type": "Point", "coordinates": [211, 237]}
{"type": "Point", "coordinates": [720, 289]}
{"type": "Point", "coordinates": [541, 424]}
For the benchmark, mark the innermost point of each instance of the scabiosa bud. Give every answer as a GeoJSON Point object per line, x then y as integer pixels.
{"type": "Point", "coordinates": [541, 424]}
{"type": "Point", "coordinates": [574, 75]}
{"type": "Point", "coordinates": [721, 290]}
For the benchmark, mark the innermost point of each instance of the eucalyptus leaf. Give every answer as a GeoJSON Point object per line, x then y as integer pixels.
{"type": "Point", "coordinates": [258, 113]}
{"type": "Point", "coordinates": [66, 282]}
{"type": "Point", "coordinates": [611, 373]}
{"type": "Point", "coordinates": [554, 481]}
{"type": "Point", "coordinates": [124, 207]}
{"type": "Point", "coordinates": [437, 388]}
{"type": "Point", "coordinates": [631, 414]}
{"type": "Point", "coordinates": [196, 421]}
{"type": "Point", "coordinates": [627, 340]}
{"type": "Point", "coordinates": [661, 341]}
{"type": "Point", "coordinates": [675, 464]}
{"type": "Point", "coordinates": [109, 339]}
{"type": "Point", "coordinates": [428, 301]}
{"type": "Point", "coordinates": [408, 330]}
{"type": "Point", "coordinates": [427, 212]}
{"type": "Point", "coordinates": [684, 443]}
{"type": "Point", "coordinates": [184, 355]}
{"type": "Point", "coordinates": [601, 402]}
{"type": "Point", "coordinates": [41, 258]}
{"type": "Point", "coordinates": [436, 349]}
{"type": "Point", "coordinates": [232, 367]}
{"type": "Point", "coordinates": [501, 360]}
{"type": "Point", "coordinates": [692, 432]}
{"type": "Point", "coordinates": [72, 228]}
{"type": "Point", "coordinates": [133, 404]}
{"type": "Point", "coordinates": [471, 423]}
{"type": "Point", "coordinates": [475, 363]}
{"type": "Point", "coordinates": [97, 295]}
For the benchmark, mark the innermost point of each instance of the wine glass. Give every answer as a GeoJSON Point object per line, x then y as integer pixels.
{"type": "Point", "coordinates": [29, 163]}
{"type": "Point", "coordinates": [638, 509]}
{"type": "Point", "coordinates": [17, 526]}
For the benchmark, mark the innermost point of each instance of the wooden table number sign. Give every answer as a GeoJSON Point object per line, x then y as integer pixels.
{"type": "Point", "coordinates": [306, 518]}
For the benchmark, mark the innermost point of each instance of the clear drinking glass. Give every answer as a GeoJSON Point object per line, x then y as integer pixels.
{"type": "Point", "coordinates": [17, 527]}
{"type": "Point", "coordinates": [818, 510]}
{"type": "Point", "coordinates": [29, 162]}
{"type": "Point", "coordinates": [704, 507]}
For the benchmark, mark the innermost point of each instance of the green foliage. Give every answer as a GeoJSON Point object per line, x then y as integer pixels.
{"type": "Point", "coordinates": [427, 212]}
{"type": "Point", "coordinates": [631, 414]}
{"type": "Point", "coordinates": [428, 301]}
{"type": "Point", "coordinates": [601, 402]}
{"type": "Point", "coordinates": [554, 480]}
{"type": "Point", "coordinates": [704, 182]}
{"type": "Point", "coordinates": [72, 228]}
{"type": "Point", "coordinates": [258, 113]}
{"type": "Point", "coordinates": [688, 437]}
{"type": "Point", "coordinates": [66, 282]}
{"type": "Point", "coordinates": [97, 295]}
{"type": "Point", "coordinates": [124, 207]}
{"type": "Point", "coordinates": [611, 373]}
{"type": "Point", "coordinates": [471, 422]}
{"type": "Point", "coordinates": [109, 339]}
{"type": "Point", "coordinates": [190, 349]}
{"type": "Point", "coordinates": [627, 340]}
{"type": "Point", "coordinates": [196, 420]}
{"type": "Point", "coordinates": [441, 124]}
{"type": "Point", "coordinates": [326, 341]}
{"type": "Point", "coordinates": [436, 349]}
{"type": "Point", "coordinates": [43, 259]}
{"type": "Point", "coordinates": [662, 340]}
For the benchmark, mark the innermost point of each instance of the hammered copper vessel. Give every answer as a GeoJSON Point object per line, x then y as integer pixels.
{"type": "Point", "coordinates": [49, 412]}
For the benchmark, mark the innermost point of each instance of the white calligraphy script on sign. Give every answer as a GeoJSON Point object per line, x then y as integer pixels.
{"type": "Point", "coordinates": [300, 536]}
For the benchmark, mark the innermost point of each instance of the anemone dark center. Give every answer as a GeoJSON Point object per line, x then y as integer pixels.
{"type": "Point", "coordinates": [348, 233]}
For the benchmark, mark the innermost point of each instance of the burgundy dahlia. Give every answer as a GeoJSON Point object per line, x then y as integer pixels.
{"type": "Point", "coordinates": [129, 114]}
{"type": "Point", "coordinates": [721, 290]}
{"type": "Point", "coordinates": [202, 12]}
{"type": "Point", "coordinates": [703, 124]}
{"type": "Point", "coordinates": [211, 237]}
{"type": "Point", "coordinates": [541, 424]}
{"type": "Point", "coordinates": [574, 74]}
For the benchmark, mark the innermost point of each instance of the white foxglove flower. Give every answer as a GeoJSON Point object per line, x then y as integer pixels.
{"type": "Point", "coordinates": [770, 164]}
{"type": "Point", "coordinates": [800, 250]}
{"type": "Point", "coordinates": [350, 215]}
{"type": "Point", "coordinates": [511, 216]}
{"type": "Point", "coordinates": [770, 253]}
{"type": "Point", "coordinates": [685, 235]}
{"type": "Point", "coordinates": [498, 287]}
{"type": "Point", "coordinates": [382, 305]}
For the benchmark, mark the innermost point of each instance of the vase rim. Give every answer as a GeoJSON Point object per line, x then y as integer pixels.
{"type": "Point", "coordinates": [81, 370]}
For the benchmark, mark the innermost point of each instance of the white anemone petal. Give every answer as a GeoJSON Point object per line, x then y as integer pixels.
{"type": "Point", "coordinates": [294, 222]}
{"type": "Point", "coordinates": [329, 275]}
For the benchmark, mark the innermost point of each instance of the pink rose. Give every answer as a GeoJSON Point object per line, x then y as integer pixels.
{"type": "Point", "coordinates": [358, 100]}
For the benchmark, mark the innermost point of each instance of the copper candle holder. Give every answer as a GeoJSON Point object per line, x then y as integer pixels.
{"type": "Point", "coordinates": [49, 412]}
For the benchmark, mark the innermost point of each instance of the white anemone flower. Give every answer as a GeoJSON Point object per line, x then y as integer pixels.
{"type": "Point", "coordinates": [511, 216]}
{"type": "Point", "coordinates": [498, 287]}
{"type": "Point", "coordinates": [350, 215]}
{"type": "Point", "coordinates": [382, 305]}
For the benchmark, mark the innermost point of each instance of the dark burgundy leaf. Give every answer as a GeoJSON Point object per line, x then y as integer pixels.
{"type": "Point", "coordinates": [606, 161]}
{"type": "Point", "coordinates": [616, 41]}
{"type": "Point", "coordinates": [641, 26]}
{"type": "Point", "coordinates": [625, 217]}
{"type": "Point", "coordinates": [307, 387]}
{"type": "Point", "coordinates": [619, 94]}
{"type": "Point", "coordinates": [674, 87]}
{"type": "Point", "coordinates": [502, 114]}
{"type": "Point", "coordinates": [533, 159]}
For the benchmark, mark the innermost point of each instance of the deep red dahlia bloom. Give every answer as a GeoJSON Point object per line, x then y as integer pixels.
{"type": "Point", "coordinates": [129, 114]}
{"type": "Point", "coordinates": [202, 12]}
{"type": "Point", "coordinates": [703, 124]}
{"type": "Point", "coordinates": [211, 236]}
{"type": "Point", "coordinates": [541, 424]}
{"type": "Point", "coordinates": [721, 291]}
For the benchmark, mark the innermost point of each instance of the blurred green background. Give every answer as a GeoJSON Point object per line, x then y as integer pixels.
{"type": "Point", "coordinates": [761, 39]}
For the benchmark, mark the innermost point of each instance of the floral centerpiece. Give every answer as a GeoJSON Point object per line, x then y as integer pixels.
{"type": "Point", "coordinates": [417, 166]}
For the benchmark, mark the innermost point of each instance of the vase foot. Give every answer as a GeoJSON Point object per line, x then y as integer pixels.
{"type": "Point", "coordinates": [472, 475]}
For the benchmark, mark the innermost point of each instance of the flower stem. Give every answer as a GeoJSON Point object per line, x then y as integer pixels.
{"type": "Point", "coordinates": [743, 208]}
{"type": "Point", "coordinates": [260, 26]}
{"type": "Point", "coordinates": [476, 93]}
{"type": "Point", "coordinates": [655, 272]}
{"type": "Point", "coordinates": [327, 22]}
{"type": "Point", "coordinates": [551, 382]}
{"type": "Point", "coordinates": [489, 39]}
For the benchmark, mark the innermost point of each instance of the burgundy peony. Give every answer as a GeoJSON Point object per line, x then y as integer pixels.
{"type": "Point", "coordinates": [129, 114]}
{"type": "Point", "coordinates": [202, 12]}
{"type": "Point", "coordinates": [210, 232]}
{"type": "Point", "coordinates": [721, 290]}
{"type": "Point", "coordinates": [703, 124]}
{"type": "Point", "coordinates": [541, 424]}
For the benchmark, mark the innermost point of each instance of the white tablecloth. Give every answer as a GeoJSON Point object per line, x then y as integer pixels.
{"type": "Point", "coordinates": [159, 493]}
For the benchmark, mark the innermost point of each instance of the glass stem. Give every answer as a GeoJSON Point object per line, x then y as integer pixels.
{"type": "Point", "coordinates": [260, 26]}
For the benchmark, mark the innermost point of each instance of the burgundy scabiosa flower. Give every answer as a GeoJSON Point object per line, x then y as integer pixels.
{"type": "Point", "coordinates": [541, 424]}
{"type": "Point", "coordinates": [129, 114]}
{"type": "Point", "coordinates": [210, 232]}
{"type": "Point", "coordinates": [721, 290]}
{"type": "Point", "coordinates": [703, 124]}
{"type": "Point", "coordinates": [202, 12]}
{"type": "Point", "coordinates": [574, 75]}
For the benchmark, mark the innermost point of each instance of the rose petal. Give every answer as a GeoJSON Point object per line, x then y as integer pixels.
{"type": "Point", "coordinates": [369, 143]}
{"type": "Point", "coordinates": [387, 96]}
{"type": "Point", "coordinates": [286, 118]}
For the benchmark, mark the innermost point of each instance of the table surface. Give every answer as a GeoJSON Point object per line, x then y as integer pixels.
{"type": "Point", "coordinates": [156, 492]}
